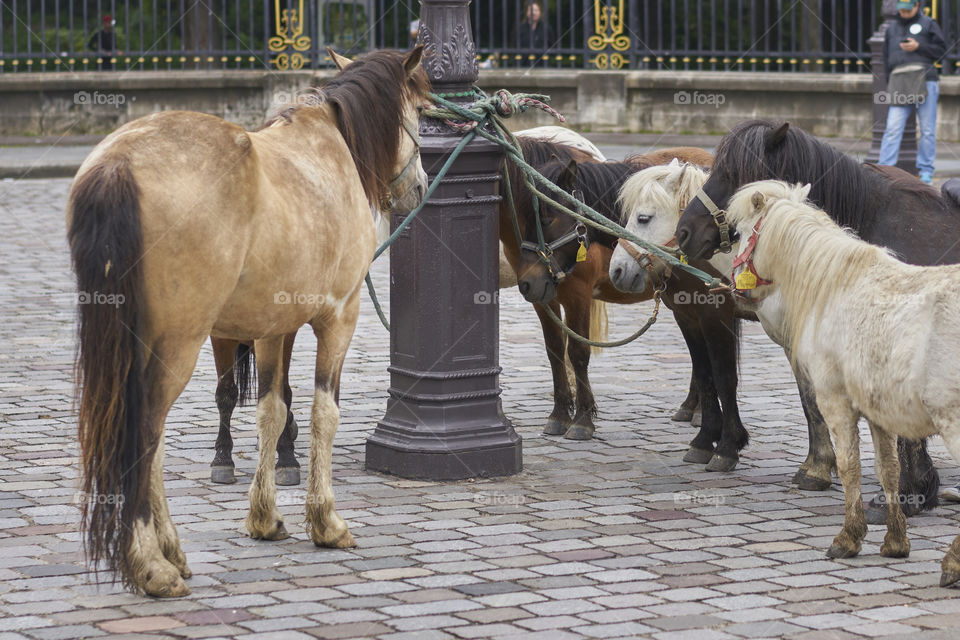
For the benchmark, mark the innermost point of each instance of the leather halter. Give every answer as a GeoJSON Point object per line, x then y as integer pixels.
{"type": "Point", "coordinates": [545, 250]}
{"type": "Point", "coordinates": [414, 157]}
{"type": "Point", "coordinates": [719, 218]}
{"type": "Point", "coordinates": [746, 258]}
{"type": "Point", "coordinates": [645, 260]}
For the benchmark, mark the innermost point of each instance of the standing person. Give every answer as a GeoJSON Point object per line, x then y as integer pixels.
{"type": "Point", "coordinates": [104, 43]}
{"type": "Point", "coordinates": [912, 39]}
{"type": "Point", "coordinates": [533, 33]}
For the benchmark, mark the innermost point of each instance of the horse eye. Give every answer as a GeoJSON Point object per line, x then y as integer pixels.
{"type": "Point", "coordinates": [642, 219]}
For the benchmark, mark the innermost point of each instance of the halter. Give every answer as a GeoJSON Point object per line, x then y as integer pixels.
{"type": "Point", "coordinates": [544, 249]}
{"type": "Point", "coordinates": [745, 258]}
{"type": "Point", "coordinates": [645, 260]}
{"type": "Point", "coordinates": [414, 157]}
{"type": "Point", "coordinates": [719, 217]}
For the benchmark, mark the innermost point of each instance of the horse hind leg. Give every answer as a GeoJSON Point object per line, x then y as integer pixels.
{"type": "Point", "coordinates": [222, 467]}
{"type": "Point", "coordinates": [690, 404]}
{"type": "Point", "coordinates": [842, 422]}
{"type": "Point", "coordinates": [324, 524]}
{"type": "Point", "coordinates": [264, 520]}
{"type": "Point", "coordinates": [895, 543]}
{"type": "Point", "coordinates": [288, 469]}
{"type": "Point", "coordinates": [950, 567]}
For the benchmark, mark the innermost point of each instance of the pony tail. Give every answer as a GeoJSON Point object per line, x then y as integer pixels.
{"type": "Point", "coordinates": [106, 246]}
{"type": "Point", "coordinates": [245, 375]}
{"type": "Point", "coordinates": [599, 324]}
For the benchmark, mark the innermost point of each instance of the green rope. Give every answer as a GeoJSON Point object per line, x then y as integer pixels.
{"type": "Point", "coordinates": [606, 345]}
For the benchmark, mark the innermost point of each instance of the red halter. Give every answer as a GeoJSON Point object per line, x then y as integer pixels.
{"type": "Point", "coordinates": [745, 257]}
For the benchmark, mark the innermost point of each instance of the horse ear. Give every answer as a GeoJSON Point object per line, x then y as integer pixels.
{"type": "Point", "coordinates": [773, 138]}
{"type": "Point", "coordinates": [342, 62]}
{"type": "Point", "coordinates": [674, 163]}
{"type": "Point", "coordinates": [757, 200]}
{"type": "Point", "coordinates": [805, 190]}
{"type": "Point", "coordinates": [412, 61]}
{"type": "Point", "coordinates": [569, 174]}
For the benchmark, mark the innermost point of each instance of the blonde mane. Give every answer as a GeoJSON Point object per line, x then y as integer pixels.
{"type": "Point", "coordinates": [801, 250]}
{"type": "Point", "coordinates": [666, 188]}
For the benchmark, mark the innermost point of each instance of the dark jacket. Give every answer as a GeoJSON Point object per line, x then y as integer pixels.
{"type": "Point", "coordinates": [538, 40]}
{"type": "Point", "coordinates": [932, 45]}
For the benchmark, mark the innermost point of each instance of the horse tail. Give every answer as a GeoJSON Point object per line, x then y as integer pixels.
{"type": "Point", "coordinates": [106, 247]}
{"type": "Point", "coordinates": [245, 374]}
{"type": "Point", "coordinates": [599, 324]}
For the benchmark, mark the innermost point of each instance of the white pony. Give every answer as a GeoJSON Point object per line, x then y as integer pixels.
{"type": "Point", "coordinates": [652, 201]}
{"type": "Point", "coordinates": [878, 338]}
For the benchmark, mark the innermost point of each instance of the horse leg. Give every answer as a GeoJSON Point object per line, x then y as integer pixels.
{"type": "Point", "coordinates": [722, 339]}
{"type": "Point", "coordinates": [919, 482]}
{"type": "Point", "coordinates": [895, 543]}
{"type": "Point", "coordinates": [264, 520]}
{"type": "Point", "coordinates": [816, 472]}
{"type": "Point", "coordinates": [555, 342]}
{"type": "Point", "coordinates": [950, 566]}
{"type": "Point", "coordinates": [288, 469]}
{"type": "Point", "coordinates": [578, 319]}
{"type": "Point", "coordinates": [842, 421]}
{"type": "Point", "coordinates": [222, 468]}
{"type": "Point", "coordinates": [159, 564]}
{"type": "Point", "coordinates": [326, 527]}
{"type": "Point", "coordinates": [690, 404]}
{"type": "Point", "coordinates": [702, 446]}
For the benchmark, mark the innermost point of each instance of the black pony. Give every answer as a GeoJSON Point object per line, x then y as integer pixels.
{"type": "Point", "coordinates": [710, 329]}
{"type": "Point", "coordinates": [884, 205]}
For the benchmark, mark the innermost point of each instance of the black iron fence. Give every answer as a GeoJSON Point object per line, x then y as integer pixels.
{"type": "Point", "coordinates": [760, 35]}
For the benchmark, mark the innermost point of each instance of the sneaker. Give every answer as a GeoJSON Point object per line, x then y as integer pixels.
{"type": "Point", "coordinates": [951, 494]}
{"type": "Point", "coordinates": [926, 178]}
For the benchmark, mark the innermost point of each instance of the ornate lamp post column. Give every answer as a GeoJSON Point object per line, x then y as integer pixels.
{"type": "Point", "coordinates": [444, 419]}
{"type": "Point", "coordinates": [907, 160]}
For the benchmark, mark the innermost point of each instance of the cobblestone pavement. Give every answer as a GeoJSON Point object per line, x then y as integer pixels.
{"type": "Point", "coordinates": [610, 538]}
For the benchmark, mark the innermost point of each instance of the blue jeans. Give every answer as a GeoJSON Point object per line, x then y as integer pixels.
{"type": "Point", "coordinates": [927, 122]}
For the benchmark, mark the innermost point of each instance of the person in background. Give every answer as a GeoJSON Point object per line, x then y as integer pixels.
{"type": "Point", "coordinates": [533, 33]}
{"type": "Point", "coordinates": [913, 38]}
{"type": "Point", "coordinates": [414, 32]}
{"type": "Point", "coordinates": [104, 42]}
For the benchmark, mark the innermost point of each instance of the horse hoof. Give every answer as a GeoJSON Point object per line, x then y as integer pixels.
{"type": "Point", "coordinates": [799, 476]}
{"type": "Point", "coordinates": [291, 427]}
{"type": "Point", "coordinates": [698, 456]}
{"type": "Point", "coordinates": [900, 549]}
{"type": "Point", "coordinates": [722, 463]}
{"type": "Point", "coordinates": [222, 475]}
{"type": "Point", "coordinates": [813, 483]}
{"type": "Point", "coordinates": [697, 419]}
{"type": "Point", "coordinates": [948, 578]}
{"type": "Point", "coordinates": [288, 476]}
{"type": "Point", "coordinates": [837, 552]}
{"type": "Point", "coordinates": [344, 541]}
{"type": "Point", "coordinates": [682, 415]}
{"type": "Point", "coordinates": [579, 432]}
{"type": "Point", "coordinates": [554, 427]}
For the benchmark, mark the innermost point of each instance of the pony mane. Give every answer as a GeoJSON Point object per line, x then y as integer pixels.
{"type": "Point", "coordinates": [600, 183]}
{"type": "Point", "coordinates": [802, 247]}
{"type": "Point", "coordinates": [368, 98]}
{"type": "Point", "coordinates": [840, 185]}
{"type": "Point", "coordinates": [648, 186]}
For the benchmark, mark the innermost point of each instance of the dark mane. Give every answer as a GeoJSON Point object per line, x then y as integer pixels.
{"type": "Point", "coordinates": [840, 185]}
{"type": "Point", "coordinates": [368, 97]}
{"type": "Point", "coordinates": [600, 183]}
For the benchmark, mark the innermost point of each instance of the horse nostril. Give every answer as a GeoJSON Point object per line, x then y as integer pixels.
{"type": "Point", "coordinates": [617, 274]}
{"type": "Point", "coordinates": [682, 236]}
{"type": "Point", "coordinates": [524, 287]}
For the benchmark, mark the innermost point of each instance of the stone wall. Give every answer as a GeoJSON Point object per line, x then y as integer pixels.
{"type": "Point", "coordinates": [628, 101]}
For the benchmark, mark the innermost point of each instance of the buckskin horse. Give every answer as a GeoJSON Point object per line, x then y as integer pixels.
{"type": "Point", "coordinates": [196, 225]}
{"type": "Point", "coordinates": [877, 338]}
{"type": "Point", "coordinates": [569, 284]}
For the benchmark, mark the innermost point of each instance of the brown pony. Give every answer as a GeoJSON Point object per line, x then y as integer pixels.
{"type": "Point", "coordinates": [192, 227]}
{"type": "Point", "coordinates": [575, 293]}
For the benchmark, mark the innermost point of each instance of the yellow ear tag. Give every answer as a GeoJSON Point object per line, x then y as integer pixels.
{"type": "Point", "coordinates": [746, 280]}
{"type": "Point", "coordinates": [683, 258]}
{"type": "Point", "coordinates": [582, 253]}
